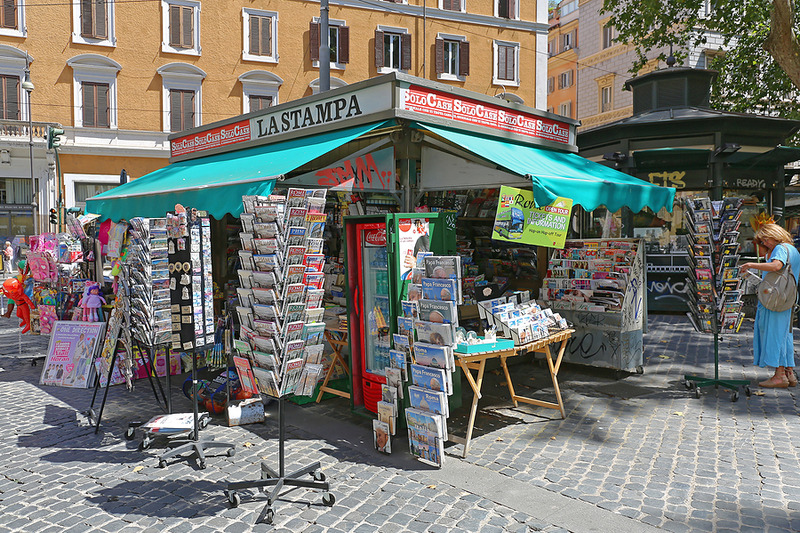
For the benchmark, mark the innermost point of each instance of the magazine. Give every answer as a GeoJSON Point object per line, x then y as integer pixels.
{"type": "Point", "coordinates": [294, 274]}
{"type": "Point", "coordinates": [313, 333]}
{"type": "Point", "coordinates": [442, 267]}
{"type": "Point", "coordinates": [295, 198]}
{"type": "Point", "coordinates": [314, 298]}
{"type": "Point", "coordinates": [314, 246]}
{"type": "Point", "coordinates": [296, 216]}
{"type": "Point", "coordinates": [314, 262]}
{"type": "Point", "coordinates": [293, 331]}
{"type": "Point", "coordinates": [264, 360]}
{"type": "Point", "coordinates": [399, 359]}
{"type": "Point", "coordinates": [264, 296]}
{"type": "Point", "coordinates": [267, 382]}
{"type": "Point", "coordinates": [312, 354]}
{"type": "Point", "coordinates": [405, 326]}
{"type": "Point", "coordinates": [291, 375]}
{"type": "Point", "coordinates": [438, 311]}
{"type": "Point", "coordinates": [295, 235]}
{"type": "Point", "coordinates": [408, 308]}
{"type": "Point", "coordinates": [389, 394]}
{"type": "Point", "coordinates": [294, 312]}
{"type": "Point", "coordinates": [427, 421]}
{"type": "Point", "coordinates": [312, 315]}
{"type": "Point", "coordinates": [294, 255]}
{"type": "Point", "coordinates": [402, 344]}
{"type": "Point", "coordinates": [426, 446]}
{"type": "Point", "coordinates": [308, 379]}
{"type": "Point", "coordinates": [381, 436]}
{"type": "Point", "coordinates": [394, 378]}
{"type": "Point", "coordinates": [315, 224]}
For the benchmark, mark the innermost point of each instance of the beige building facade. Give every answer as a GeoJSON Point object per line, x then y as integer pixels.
{"type": "Point", "coordinates": [120, 76]}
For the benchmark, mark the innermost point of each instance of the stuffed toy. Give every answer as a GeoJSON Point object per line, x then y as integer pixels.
{"type": "Point", "coordinates": [14, 289]}
{"type": "Point", "coordinates": [91, 302]}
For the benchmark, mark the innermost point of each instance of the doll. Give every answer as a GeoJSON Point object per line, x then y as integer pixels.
{"type": "Point", "coordinates": [91, 302]}
{"type": "Point", "coordinates": [15, 290]}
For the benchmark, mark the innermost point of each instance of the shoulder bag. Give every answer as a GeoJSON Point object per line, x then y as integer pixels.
{"type": "Point", "coordinates": [778, 290]}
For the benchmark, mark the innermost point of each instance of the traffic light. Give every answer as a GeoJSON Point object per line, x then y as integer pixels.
{"type": "Point", "coordinates": [53, 216]}
{"type": "Point", "coordinates": [53, 137]}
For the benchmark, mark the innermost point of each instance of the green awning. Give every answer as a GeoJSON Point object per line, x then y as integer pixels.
{"type": "Point", "coordinates": [564, 174]}
{"type": "Point", "coordinates": [216, 183]}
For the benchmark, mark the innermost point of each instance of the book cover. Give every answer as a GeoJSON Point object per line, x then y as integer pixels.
{"type": "Point", "coordinates": [294, 274]}
{"type": "Point", "coordinates": [294, 293]}
{"type": "Point", "coordinates": [312, 354]}
{"type": "Point", "coordinates": [266, 312]}
{"type": "Point", "coordinates": [394, 378]}
{"type": "Point", "coordinates": [314, 280]}
{"type": "Point", "coordinates": [294, 255]}
{"type": "Point", "coordinates": [431, 355]}
{"type": "Point", "coordinates": [263, 280]}
{"type": "Point", "coordinates": [264, 360]}
{"type": "Point", "coordinates": [314, 298]}
{"type": "Point", "coordinates": [308, 379]}
{"type": "Point", "coordinates": [314, 262]}
{"type": "Point", "coordinates": [381, 436]}
{"type": "Point", "coordinates": [426, 447]}
{"type": "Point", "coordinates": [313, 314]}
{"type": "Point", "coordinates": [294, 311]}
{"type": "Point", "coordinates": [267, 382]}
{"type": "Point", "coordinates": [440, 289]}
{"type": "Point", "coordinates": [267, 213]}
{"type": "Point", "coordinates": [295, 236]}
{"type": "Point", "coordinates": [293, 331]}
{"type": "Point", "coordinates": [245, 316]}
{"type": "Point", "coordinates": [314, 246]}
{"type": "Point", "coordinates": [268, 230]}
{"type": "Point", "coordinates": [267, 328]}
{"type": "Point", "coordinates": [296, 216]}
{"type": "Point", "coordinates": [293, 350]}
{"type": "Point", "coordinates": [437, 311]}
{"type": "Point", "coordinates": [402, 344]}
{"type": "Point", "coordinates": [399, 359]}
{"type": "Point", "coordinates": [430, 378]}
{"type": "Point", "coordinates": [408, 309]}
{"type": "Point", "coordinates": [315, 223]}
{"type": "Point", "coordinates": [245, 372]}
{"type": "Point", "coordinates": [295, 197]}
{"type": "Point", "coordinates": [263, 344]}
{"type": "Point", "coordinates": [291, 375]}
{"type": "Point", "coordinates": [386, 414]}
{"type": "Point", "coordinates": [313, 333]}
{"type": "Point", "coordinates": [434, 333]}
{"type": "Point", "coordinates": [442, 267]}
{"type": "Point", "coordinates": [405, 326]}
{"type": "Point", "coordinates": [426, 421]}
{"type": "Point", "coordinates": [428, 400]}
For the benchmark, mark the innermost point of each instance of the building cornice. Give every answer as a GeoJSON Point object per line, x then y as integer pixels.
{"type": "Point", "coordinates": [115, 143]}
{"type": "Point", "coordinates": [604, 118]}
{"type": "Point", "coordinates": [605, 55]}
{"type": "Point", "coordinates": [441, 14]}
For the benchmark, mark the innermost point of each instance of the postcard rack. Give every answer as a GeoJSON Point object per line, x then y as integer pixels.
{"type": "Point", "coordinates": [716, 304]}
{"type": "Point", "coordinates": [280, 319]}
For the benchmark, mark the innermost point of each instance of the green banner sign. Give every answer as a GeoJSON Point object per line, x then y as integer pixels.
{"type": "Point", "coordinates": [519, 220]}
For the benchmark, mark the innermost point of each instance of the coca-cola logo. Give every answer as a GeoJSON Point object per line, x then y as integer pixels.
{"type": "Point", "coordinates": [375, 237]}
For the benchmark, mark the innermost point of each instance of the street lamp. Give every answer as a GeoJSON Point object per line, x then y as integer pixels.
{"type": "Point", "coordinates": [27, 86]}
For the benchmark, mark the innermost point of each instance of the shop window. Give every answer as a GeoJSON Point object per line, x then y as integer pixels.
{"type": "Point", "coordinates": [506, 9]}
{"type": "Point", "coordinates": [452, 57]}
{"type": "Point", "coordinates": [452, 5]}
{"type": "Point", "coordinates": [12, 18]}
{"type": "Point", "coordinates": [506, 69]}
{"type": "Point", "coordinates": [180, 26]}
{"type": "Point", "coordinates": [95, 104]}
{"type": "Point", "coordinates": [95, 90]}
{"type": "Point", "coordinates": [259, 90]}
{"type": "Point", "coordinates": [9, 85]}
{"type": "Point", "coordinates": [17, 191]}
{"type": "Point", "coordinates": [87, 190]}
{"type": "Point", "coordinates": [392, 49]}
{"type": "Point", "coordinates": [182, 96]}
{"type": "Point", "coordinates": [338, 41]}
{"type": "Point", "coordinates": [260, 35]}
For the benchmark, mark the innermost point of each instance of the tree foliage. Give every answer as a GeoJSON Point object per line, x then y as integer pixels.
{"type": "Point", "coordinates": [759, 70]}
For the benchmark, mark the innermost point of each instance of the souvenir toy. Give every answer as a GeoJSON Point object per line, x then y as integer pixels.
{"type": "Point", "coordinates": [91, 302]}
{"type": "Point", "coordinates": [15, 290]}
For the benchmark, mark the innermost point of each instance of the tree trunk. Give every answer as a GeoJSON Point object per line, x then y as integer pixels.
{"type": "Point", "coordinates": [782, 43]}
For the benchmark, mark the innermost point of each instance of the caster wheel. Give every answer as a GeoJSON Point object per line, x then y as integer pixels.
{"type": "Point", "coordinates": [697, 392]}
{"type": "Point", "coordinates": [162, 463]}
{"type": "Point", "coordinates": [130, 433]}
{"type": "Point", "coordinates": [231, 452]}
{"type": "Point", "coordinates": [687, 384]}
{"type": "Point", "coordinates": [318, 475]}
{"type": "Point", "coordinates": [747, 391]}
{"type": "Point", "coordinates": [33, 362]}
{"type": "Point", "coordinates": [203, 423]}
{"type": "Point", "coordinates": [144, 445]}
{"type": "Point", "coordinates": [234, 499]}
{"type": "Point", "coordinates": [328, 500]}
{"type": "Point", "coordinates": [269, 516]}
{"type": "Point", "coordinates": [201, 465]}
{"type": "Point", "coordinates": [734, 396]}
{"type": "Point", "coordinates": [640, 369]}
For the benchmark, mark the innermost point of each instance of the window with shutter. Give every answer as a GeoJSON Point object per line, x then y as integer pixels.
{"type": "Point", "coordinates": [10, 95]}
{"type": "Point", "coordinates": [451, 5]}
{"type": "Point", "coordinates": [313, 41]}
{"type": "Point", "coordinates": [391, 50]}
{"type": "Point", "coordinates": [95, 104]}
{"type": "Point", "coordinates": [94, 19]}
{"type": "Point", "coordinates": [260, 36]}
{"type": "Point", "coordinates": [440, 66]}
{"type": "Point", "coordinates": [181, 109]}
{"type": "Point", "coordinates": [506, 64]}
{"type": "Point", "coordinates": [258, 102]}
{"type": "Point", "coordinates": [463, 52]}
{"type": "Point", "coordinates": [333, 43]}
{"type": "Point", "coordinates": [181, 26]}
{"type": "Point", "coordinates": [8, 15]}
{"type": "Point", "coordinates": [507, 9]}
{"type": "Point", "coordinates": [344, 44]}
{"type": "Point", "coordinates": [405, 49]}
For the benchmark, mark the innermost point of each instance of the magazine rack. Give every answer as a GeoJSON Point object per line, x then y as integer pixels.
{"type": "Point", "coordinates": [716, 299]}
{"type": "Point", "coordinates": [278, 480]}
{"type": "Point", "coordinates": [194, 443]}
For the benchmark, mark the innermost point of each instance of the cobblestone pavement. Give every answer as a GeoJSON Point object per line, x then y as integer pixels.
{"type": "Point", "coordinates": [637, 454]}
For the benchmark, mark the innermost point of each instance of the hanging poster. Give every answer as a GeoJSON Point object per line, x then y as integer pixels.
{"type": "Point", "coordinates": [519, 220]}
{"type": "Point", "coordinates": [70, 354]}
{"type": "Point", "coordinates": [412, 238]}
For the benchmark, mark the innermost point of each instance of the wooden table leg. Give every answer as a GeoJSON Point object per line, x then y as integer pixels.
{"type": "Point", "coordinates": [327, 376]}
{"type": "Point", "coordinates": [474, 408]}
{"type": "Point", "coordinates": [336, 345]}
{"type": "Point", "coordinates": [508, 381]}
{"type": "Point", "coordinates": [554, 373]}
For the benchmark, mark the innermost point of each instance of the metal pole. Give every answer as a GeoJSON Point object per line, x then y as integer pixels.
{"type": "Point", "coordinates": [424, 37]}
{"type": "Point", "coordinates": [27, 86]}
{"type": "Point", "coordinates": [324, 48]}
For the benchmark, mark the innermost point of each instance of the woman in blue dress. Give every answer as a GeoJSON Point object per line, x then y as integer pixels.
{"type": "Point", "coordinates": [773, 343]}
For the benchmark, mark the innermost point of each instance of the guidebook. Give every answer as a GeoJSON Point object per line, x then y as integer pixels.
{"type": "Point", "coordinates": [435, 379]}
{"type": "Point", "coordinates": [434, 333]}
{"type": "Point", "coordinates": [428, 400]}
{"type": "Point", "coordinates": [437, 311]}
{"type": "Point", "coordinates": [440, 289]}
{"type": "Point", "coordinates": [433, 355]}
{"type": "Point", "coordinates": [381, 436]}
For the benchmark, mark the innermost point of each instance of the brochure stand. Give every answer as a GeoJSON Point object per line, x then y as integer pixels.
{"type": "Point", "coordinates": [189, 256]}
{"type": "Point", "coordinates": [278, 480]}
{"type": "Point", "coordinates": [714, 276]}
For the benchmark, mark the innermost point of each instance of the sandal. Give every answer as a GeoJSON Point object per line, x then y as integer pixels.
{"type": "Point", "coordinates": [775, 382]}
{"type": "Point", "coordinates": [791, 376]}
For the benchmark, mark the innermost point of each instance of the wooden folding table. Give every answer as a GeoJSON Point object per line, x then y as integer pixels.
{"type": "Point", "coordinates": [337, 338]}
{"type": "Point", "coordinates": [477, 361]}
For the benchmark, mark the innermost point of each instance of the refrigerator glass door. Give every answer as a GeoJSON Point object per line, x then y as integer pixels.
{"type": "Point", "coordinates": [375, 300]}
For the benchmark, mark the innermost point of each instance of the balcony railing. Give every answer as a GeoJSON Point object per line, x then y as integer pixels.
{"type": "Point", "coordinates": [18, 129]}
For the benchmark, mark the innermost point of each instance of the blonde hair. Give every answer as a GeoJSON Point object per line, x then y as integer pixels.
{"type": "Point", "coordinates": [774, 232]}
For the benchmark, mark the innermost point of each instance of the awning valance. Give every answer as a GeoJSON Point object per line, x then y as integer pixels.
{"type": "Point", "coordinates": [216, 183]}
{"type": "Point", "coordinates": [564, 174]}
